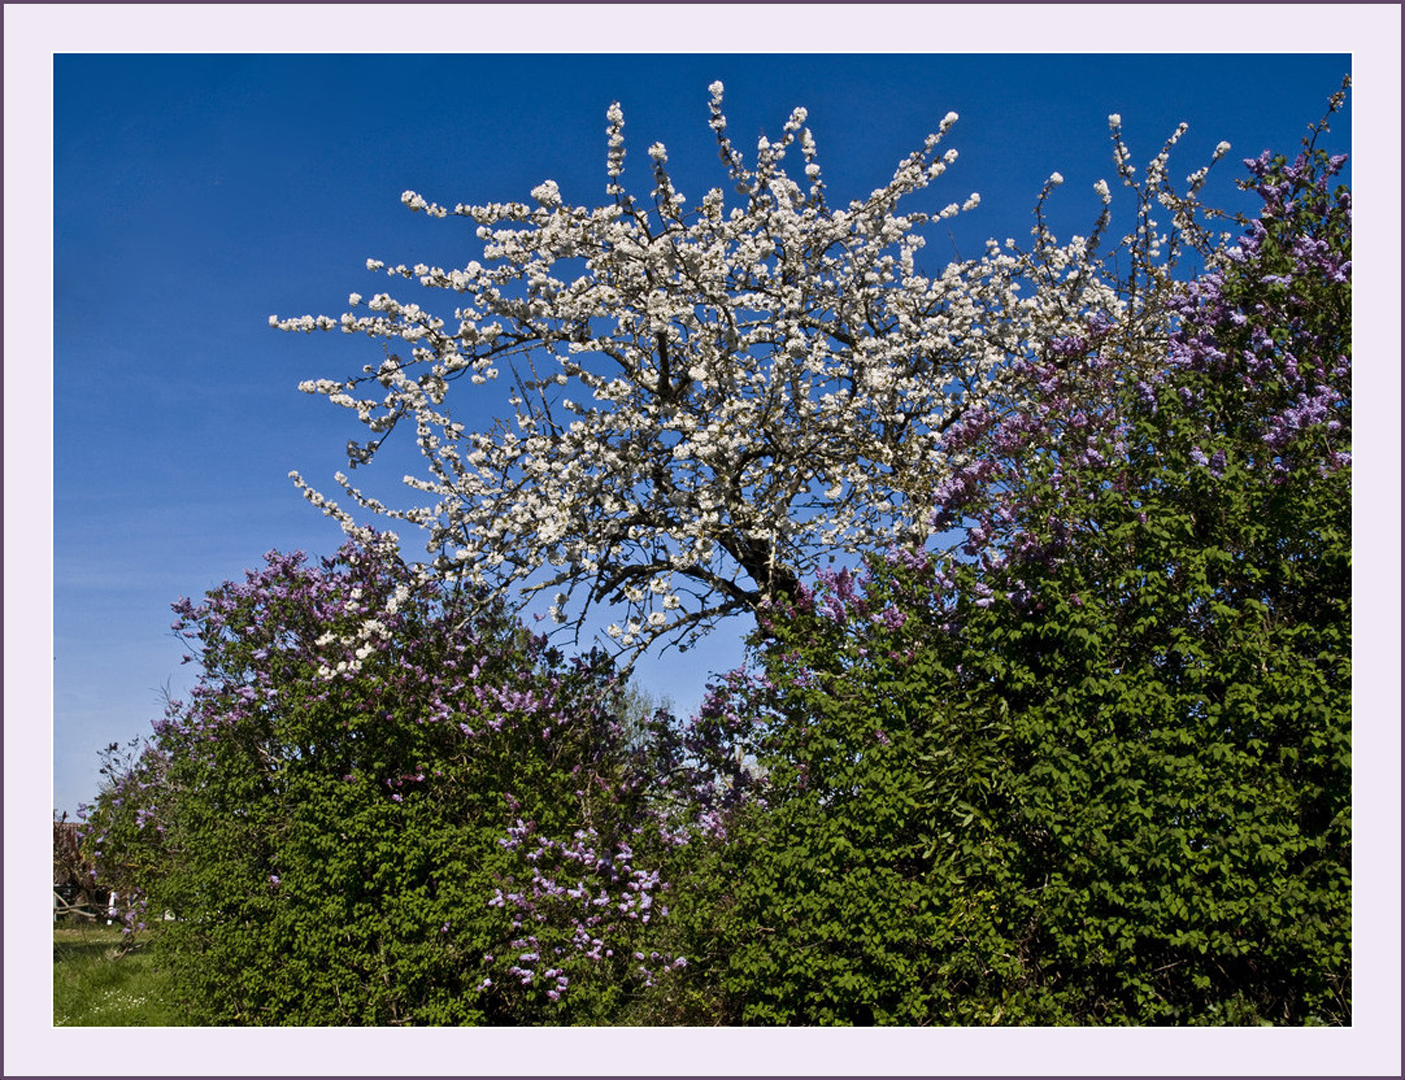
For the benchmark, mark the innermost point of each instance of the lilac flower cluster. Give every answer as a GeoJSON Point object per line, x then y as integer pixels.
{"type": "Point", "coordinates": [1256, 353]}
{"type": "Point", "coordinates": [842, 595]}
{"type": "Point", "coordinates": [584, 901]}
{"type": "Point", "coordinates": [1266, 317]}
{"type": "Point", "coordinates": [1283, 342]}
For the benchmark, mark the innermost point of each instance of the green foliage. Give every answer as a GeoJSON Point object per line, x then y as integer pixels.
{"type": "Point", "coordinates": [358, 816]}
{"type": "Point", "coordinates": [1099, 772]}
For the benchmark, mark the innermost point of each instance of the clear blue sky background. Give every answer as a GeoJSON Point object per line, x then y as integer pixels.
{"type": "Point", "coordinates": [197, 195]}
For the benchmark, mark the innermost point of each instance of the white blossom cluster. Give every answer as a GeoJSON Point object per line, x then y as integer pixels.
{"type": "Point", "coordinates": [708, 399]}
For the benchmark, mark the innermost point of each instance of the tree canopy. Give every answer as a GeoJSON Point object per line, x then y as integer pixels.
{"type": "Point", "coordinates": [710, 399]}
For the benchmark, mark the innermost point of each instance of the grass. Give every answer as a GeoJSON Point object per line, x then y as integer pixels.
{"type": "Point", "coordinates": [96, 984]}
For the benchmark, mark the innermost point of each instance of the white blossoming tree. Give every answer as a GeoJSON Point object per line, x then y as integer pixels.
{"type": "Point", "coordinates": [706, 401]}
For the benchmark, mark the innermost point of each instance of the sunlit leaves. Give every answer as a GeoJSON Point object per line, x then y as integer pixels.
{"type": "Point", "coordinates": [1113, 778]}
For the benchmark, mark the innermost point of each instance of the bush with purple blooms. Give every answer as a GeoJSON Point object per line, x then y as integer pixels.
{"type": "Point", "coordinates": [384, 804]}
{"type": "Point", "coordinates": [1096, 767]}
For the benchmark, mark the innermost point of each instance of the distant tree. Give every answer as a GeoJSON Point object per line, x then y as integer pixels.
{"type": "Point", "coordinates": [73, 877]}
{"type": "Point", "coordinates": [709, 401]}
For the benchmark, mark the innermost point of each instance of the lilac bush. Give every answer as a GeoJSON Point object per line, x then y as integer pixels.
{"type": "Point", "coordinates": [1270, 317]}
{"type": "Point", "coordinates": [383, 803]}
{"type": "Point", "coordinates": [1094, 767]}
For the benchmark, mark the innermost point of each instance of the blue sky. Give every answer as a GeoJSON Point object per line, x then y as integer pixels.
{"type": "Point", "coordinates": [191, 196]}
{"type": "Point", "coordinates": [196, 195]}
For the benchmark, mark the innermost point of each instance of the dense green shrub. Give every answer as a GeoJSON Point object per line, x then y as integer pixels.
{"type": "Point", "coordinates": [383, 805]}
{"type": "Point", "coordinates": [1096, 769]}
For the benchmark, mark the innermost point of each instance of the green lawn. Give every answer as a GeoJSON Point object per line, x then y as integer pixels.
{"type": "Point", "coordinates": [96, 985]}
